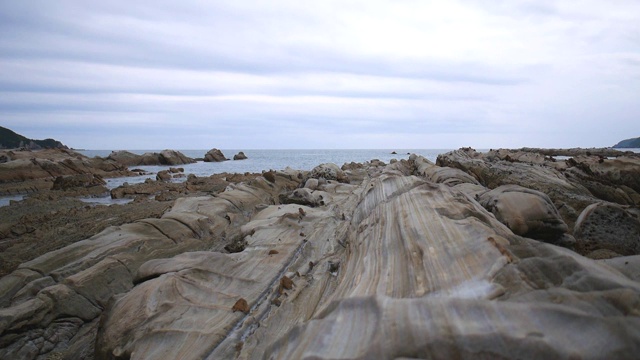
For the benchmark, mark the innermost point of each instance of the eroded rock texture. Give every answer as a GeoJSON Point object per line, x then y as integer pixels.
{"type": "Point", "coordinates": [397, 261]}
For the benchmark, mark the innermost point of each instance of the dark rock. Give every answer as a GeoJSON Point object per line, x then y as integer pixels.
{"type": "Point", "coordinates": [286, 283]}
{"type": "Point", "coordinates": [214, 155]}
{"type": "Point", "coordinates": [241, 305]}
{"type": "Point", "coordinates": [270, 176]}
{"type": "Point", "coordinates": [172, 157]}
{"type": "Point", "coordinates": [165, 157]}
{"type": "Point", "coordinates": [240, 156]}
{"type": "Point", "coordinates": [328, 172]}
{"type": "Point", "coordinates": [608, 226]}
{"type": "Point", "coordinates": [77, 181]}
{"type": "Point", "coordinates": [163, 175]}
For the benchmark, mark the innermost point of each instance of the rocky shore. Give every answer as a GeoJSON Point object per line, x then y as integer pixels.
{"type": "Point", "coordinates": [503, 254]}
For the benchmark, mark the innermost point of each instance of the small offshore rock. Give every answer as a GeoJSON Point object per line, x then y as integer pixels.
{"type": "Point", "coordinates": [214, 155]}
{"type": "Point", "coordinates": [240, 156]}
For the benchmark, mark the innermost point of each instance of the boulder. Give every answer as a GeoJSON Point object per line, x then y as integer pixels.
{"type": "Point", "coordinates": [526, 212]}
{"type": "Point", "coordinates": [328, 171]}
{"type": "Point", "coordinates": [304, 196]}
{"type": "Point", "coordinates": [214, 155]}
{"type": "Point", "coordinates": [163, 175]}
{"type": "Point", "coordinates": [494, 169]}
{"type": "Point", "coordinates": [240, 156]}
{"type": "Point", "coordinates": [608, 226]}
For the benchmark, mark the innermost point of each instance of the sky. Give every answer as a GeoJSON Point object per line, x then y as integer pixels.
{"type": "Point", "coordinates": [321, 74]}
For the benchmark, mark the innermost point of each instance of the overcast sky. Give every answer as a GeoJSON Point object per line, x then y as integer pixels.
{"type": "Point", "coordinates": [321, 74]}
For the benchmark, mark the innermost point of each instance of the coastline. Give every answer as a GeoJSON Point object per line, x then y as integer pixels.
{"type": "Point", "coordinates": [471, 230]}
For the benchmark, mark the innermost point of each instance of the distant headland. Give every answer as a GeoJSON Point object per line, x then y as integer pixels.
{"type": "Point", "coordinates": [629, 143]}
{"type": "Point", "coordinates": [11, 140]}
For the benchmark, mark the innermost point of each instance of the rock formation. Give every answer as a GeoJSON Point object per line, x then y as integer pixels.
{"type": "Point", "coordinates": [240, 156]}
{"type": "Point", "coordinates": [31, 171]}
{"type": "Point", "coordinates": [406, 260]}
{"type": "Point", "coordinates": [165, 157]}
{"type": "Point", "coordinates": [214, 155]}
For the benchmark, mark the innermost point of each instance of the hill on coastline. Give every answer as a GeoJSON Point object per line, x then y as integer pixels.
{"type": "Point", "coordinates": [11, 140]}
{"type": "Point", "coordinates": [628, 143]}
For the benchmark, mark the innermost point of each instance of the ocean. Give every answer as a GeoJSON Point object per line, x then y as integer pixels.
{"type": "Point", "coordinates": [256, 162]}
{"type": "Point", "coordinates": [259, 160]}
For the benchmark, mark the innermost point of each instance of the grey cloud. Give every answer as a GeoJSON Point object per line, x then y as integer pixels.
{"type": "Point", "coordinates": [531, 71]}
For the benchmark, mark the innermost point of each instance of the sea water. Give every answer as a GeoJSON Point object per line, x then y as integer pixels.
{"type": "Point", "coordinates": [256, 162]}
{"type": "Point", "coordinates": [264, 160]}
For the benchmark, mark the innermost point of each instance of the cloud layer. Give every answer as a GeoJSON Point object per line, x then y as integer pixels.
{"type": "Point", "coordinates": [303, 74]}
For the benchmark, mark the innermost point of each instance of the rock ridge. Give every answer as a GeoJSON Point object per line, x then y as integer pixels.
{"type": "Point", "coordinates": [406, 260]}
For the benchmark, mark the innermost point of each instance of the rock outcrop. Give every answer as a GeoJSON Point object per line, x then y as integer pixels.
{"type": "Point", "coordinates": [31, 171]}
{"type": "Point", "coordinates": [397, 261]}
{"type": "Point", "coordinates": [165, 157]}
{"type": "Point", "coordinates": [572, 185]}
{"type": "Point", "coordinates": [214, 155]}
{"type": "Point", "coordinates": [240, 156]}
{"type": "Point", "coordinates": [68, 182]}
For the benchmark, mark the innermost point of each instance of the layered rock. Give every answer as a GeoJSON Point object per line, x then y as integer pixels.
{"type": "Point", "coordinates": [398, 261]}
{"type": "Point", "coordinates": [32, 171]}
{"type": "Point", "coordinates": [29, 165]}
